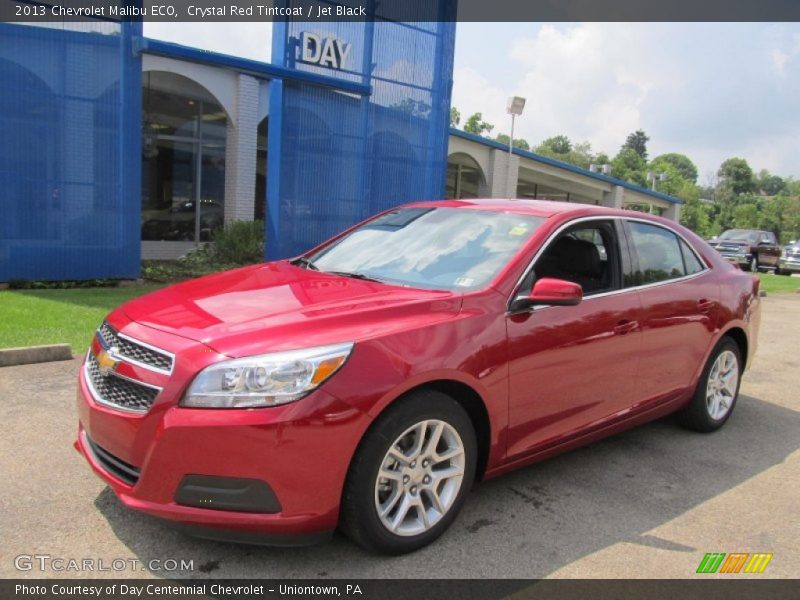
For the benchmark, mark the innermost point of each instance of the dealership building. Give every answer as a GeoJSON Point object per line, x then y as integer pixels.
{"type": "Point", "coordinates": [118, 148]}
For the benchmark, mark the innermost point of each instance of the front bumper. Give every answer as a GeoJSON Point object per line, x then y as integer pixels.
{"type": "Point", "coordinates": [789, 265]}
{"type": "Point", "coordinates": [743, 260]}
{"type": "Point", "coordinates": [300, 451]}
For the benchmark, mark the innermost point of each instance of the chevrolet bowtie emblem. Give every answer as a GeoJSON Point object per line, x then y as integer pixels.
{"type": "Point", "coordinates": [107, 360]}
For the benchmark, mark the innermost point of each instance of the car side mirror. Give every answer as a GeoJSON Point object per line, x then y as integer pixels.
{"type": "Point", "coordinates": [548, 291]}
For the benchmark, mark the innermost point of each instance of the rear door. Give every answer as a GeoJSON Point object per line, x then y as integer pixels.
{"type": "Point", "coordinates": [769, 253]}
{"type": "Point", "coordinates": [679, 306]}
{"type": "Point", "coordinates": [571, 367]}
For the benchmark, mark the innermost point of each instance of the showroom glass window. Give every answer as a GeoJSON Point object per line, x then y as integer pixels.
{"type": "Point", "coordinates": [183, 162]}
{"type": "Point", "coordinates": [464, 177]}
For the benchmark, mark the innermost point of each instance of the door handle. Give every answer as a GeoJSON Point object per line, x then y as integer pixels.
{"type": "Point", "coordinates": [705, 306]}
{"type": "Point", "coordinates": [625, 327]}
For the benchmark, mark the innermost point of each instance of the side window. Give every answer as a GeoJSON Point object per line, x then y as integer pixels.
{"type": "Point", "coordinates": [770, 239]}
{"type": "Point", "coordinates": [585, 254]}
{"type": "Point", "coordinates": [660, 256]}
{"type": "Point", "coordinates": [690, 260]}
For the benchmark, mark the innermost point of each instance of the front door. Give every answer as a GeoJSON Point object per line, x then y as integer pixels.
{"type": "Point", "coordinates": [572, 367]}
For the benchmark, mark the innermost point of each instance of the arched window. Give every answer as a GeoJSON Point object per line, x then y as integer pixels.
{"type": "Point", "coordinates": [183, 164]}
{"type": "Point", "coordinates": [465, 178]}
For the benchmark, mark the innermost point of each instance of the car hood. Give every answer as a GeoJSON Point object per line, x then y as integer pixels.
{"type": "Point", "coordinates": [730, 242]}
{"type": "Point", "coordinates": [277, 306]}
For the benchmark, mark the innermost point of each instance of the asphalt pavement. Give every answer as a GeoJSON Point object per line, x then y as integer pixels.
{"type": "Point", "coordinates": [646, 503]}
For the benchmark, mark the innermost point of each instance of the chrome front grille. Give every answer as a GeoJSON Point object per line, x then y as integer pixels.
{"type": "Point", "coordinates": [117, 391]}
{"type": "Point", "coordinates": [135, 352]}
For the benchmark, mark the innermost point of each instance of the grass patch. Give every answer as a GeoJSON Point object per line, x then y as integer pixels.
{"type": "Point", "coordinates": [35, 317]}
{"type": "Point", "coordinates": [779, 284]}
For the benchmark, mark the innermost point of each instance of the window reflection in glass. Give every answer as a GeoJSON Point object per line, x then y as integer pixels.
{"type": "Point", "coordinates": [438, 248]}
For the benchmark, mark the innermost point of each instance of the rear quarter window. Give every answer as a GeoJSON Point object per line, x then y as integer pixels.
{"type": "Point", "coordinates": [690, 260]}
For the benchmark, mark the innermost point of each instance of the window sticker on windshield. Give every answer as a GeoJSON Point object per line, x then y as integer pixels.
{"type": "Point", "coordinates": [464, 281]}
{"type": "Point", "coordinates": [520, 229]}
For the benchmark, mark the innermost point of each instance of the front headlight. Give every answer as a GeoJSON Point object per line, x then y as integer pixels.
{"type": "Point", "coordinates": [265, 380]}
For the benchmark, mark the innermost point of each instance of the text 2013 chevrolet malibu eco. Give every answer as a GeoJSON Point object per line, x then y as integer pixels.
{"type": "Point", "coordinates": [368, 383]}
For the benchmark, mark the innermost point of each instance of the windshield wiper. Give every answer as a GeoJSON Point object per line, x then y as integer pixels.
{"type": "Point", "coordinates": [307, 263]}
{"type": "Point", "coordinates": [356, 275]}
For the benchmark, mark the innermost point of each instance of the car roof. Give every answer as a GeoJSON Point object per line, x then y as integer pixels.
{"type": "Point", "coordinates": [539, 208]}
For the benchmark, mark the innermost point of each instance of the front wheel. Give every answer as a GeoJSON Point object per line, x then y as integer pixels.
{"type": "Point", "coordinates": [717, 390]}
{"type": "Point", "coordinates": [754, 264]}
{"type": "Point", "coordinates": [410, 474]}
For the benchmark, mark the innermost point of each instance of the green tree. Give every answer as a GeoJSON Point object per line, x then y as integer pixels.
{"type": "Point", "coordinates": [558, 144]}
{"type": "Point", "coordinates": [628, 165]}
{"type": "Point", "coordinates": [745, 216]}
{"type": "Point", "coordinates": [768, 184]}
{"type": "Point", "coordinates": [637, 141]}
{"type": "Point", "coordinates": [518, 142]}
{"type": "Point", "coordinates": [790, 225]}
{"type": "Point", "coordinates": [673, 182]}
{"type": "Point", "coordinates": [681, 162]}
{"type": "Point", "coordinates": [561, 148]}
{"type": "Point", "coordinates": [725, 202]}
{"type": "Point", "coordinates": [475, 124]}
{"type": "Point", "coordinates": [696, 215]}
{"type": "Point", "coordinates": [737, 174]}
{"type": "Point", "coordinates": [455, 117]}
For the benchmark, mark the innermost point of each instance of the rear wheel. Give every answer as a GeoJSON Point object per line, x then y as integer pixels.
{"type": "Point", "coordinates": [717, 391]}
{"type": "Point", "coordinates": [410, 475]}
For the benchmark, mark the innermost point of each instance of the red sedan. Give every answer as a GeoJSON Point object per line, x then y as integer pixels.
{"type": "Point", "coordinates": [370, 382]}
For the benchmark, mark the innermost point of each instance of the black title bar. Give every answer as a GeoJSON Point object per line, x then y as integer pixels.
{"type": "Point", "coordinates": [32, 11]}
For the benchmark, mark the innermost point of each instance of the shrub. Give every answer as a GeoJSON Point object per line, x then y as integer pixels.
{"type": "Point", "coordinates": [239, 242]}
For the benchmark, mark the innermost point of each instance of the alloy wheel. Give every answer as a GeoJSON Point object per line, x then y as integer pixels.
{"type": "Point", "coordinates": [420, 477]}
{"type": "Point", "coordinates": [723, 381]}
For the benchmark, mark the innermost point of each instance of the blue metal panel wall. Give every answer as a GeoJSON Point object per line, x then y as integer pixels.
{"type": "Point", "coordinates": [335, 158]}
{"type": "Point", "coordinates": [69, 151]}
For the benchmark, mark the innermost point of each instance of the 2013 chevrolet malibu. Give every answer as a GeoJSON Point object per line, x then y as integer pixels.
{"type": "Point", "coordinates": [368, 383]}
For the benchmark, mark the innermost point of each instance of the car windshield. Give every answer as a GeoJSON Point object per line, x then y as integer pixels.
{"type": "Point", "coordinates": [435, 248]}
{"type": "Point", "coordinates": [739, 234]}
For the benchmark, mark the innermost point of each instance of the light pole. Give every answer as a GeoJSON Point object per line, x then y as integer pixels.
{"type": "Point", "coordinates": [653, 177]}
{"type": "Point", "coordinates": [515, 106]}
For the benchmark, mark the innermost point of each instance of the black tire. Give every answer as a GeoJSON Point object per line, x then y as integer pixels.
{"type": "Point", "coordinates": [359, 518]}
{"type": "Point", "coordinates": [754, 266]}
{"type": "Point", "coordinates": [696, 415]}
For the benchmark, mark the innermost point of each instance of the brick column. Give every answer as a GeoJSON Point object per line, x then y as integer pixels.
{"type": "Point", "coordinates": [673, 212]}
{"type": "Point", "coordinates": [498, 177]}
{"type": "Point", "coordinates": [240, 153]}
{"type": "Point", "coordinates": [614, 198]}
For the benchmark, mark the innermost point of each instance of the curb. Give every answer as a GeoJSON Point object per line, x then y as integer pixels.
{"type": "Point", "coordinates": [34, 354]}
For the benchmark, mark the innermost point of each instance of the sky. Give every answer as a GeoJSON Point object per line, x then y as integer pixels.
{"type": "Point", "coordinates": [707, 90]}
